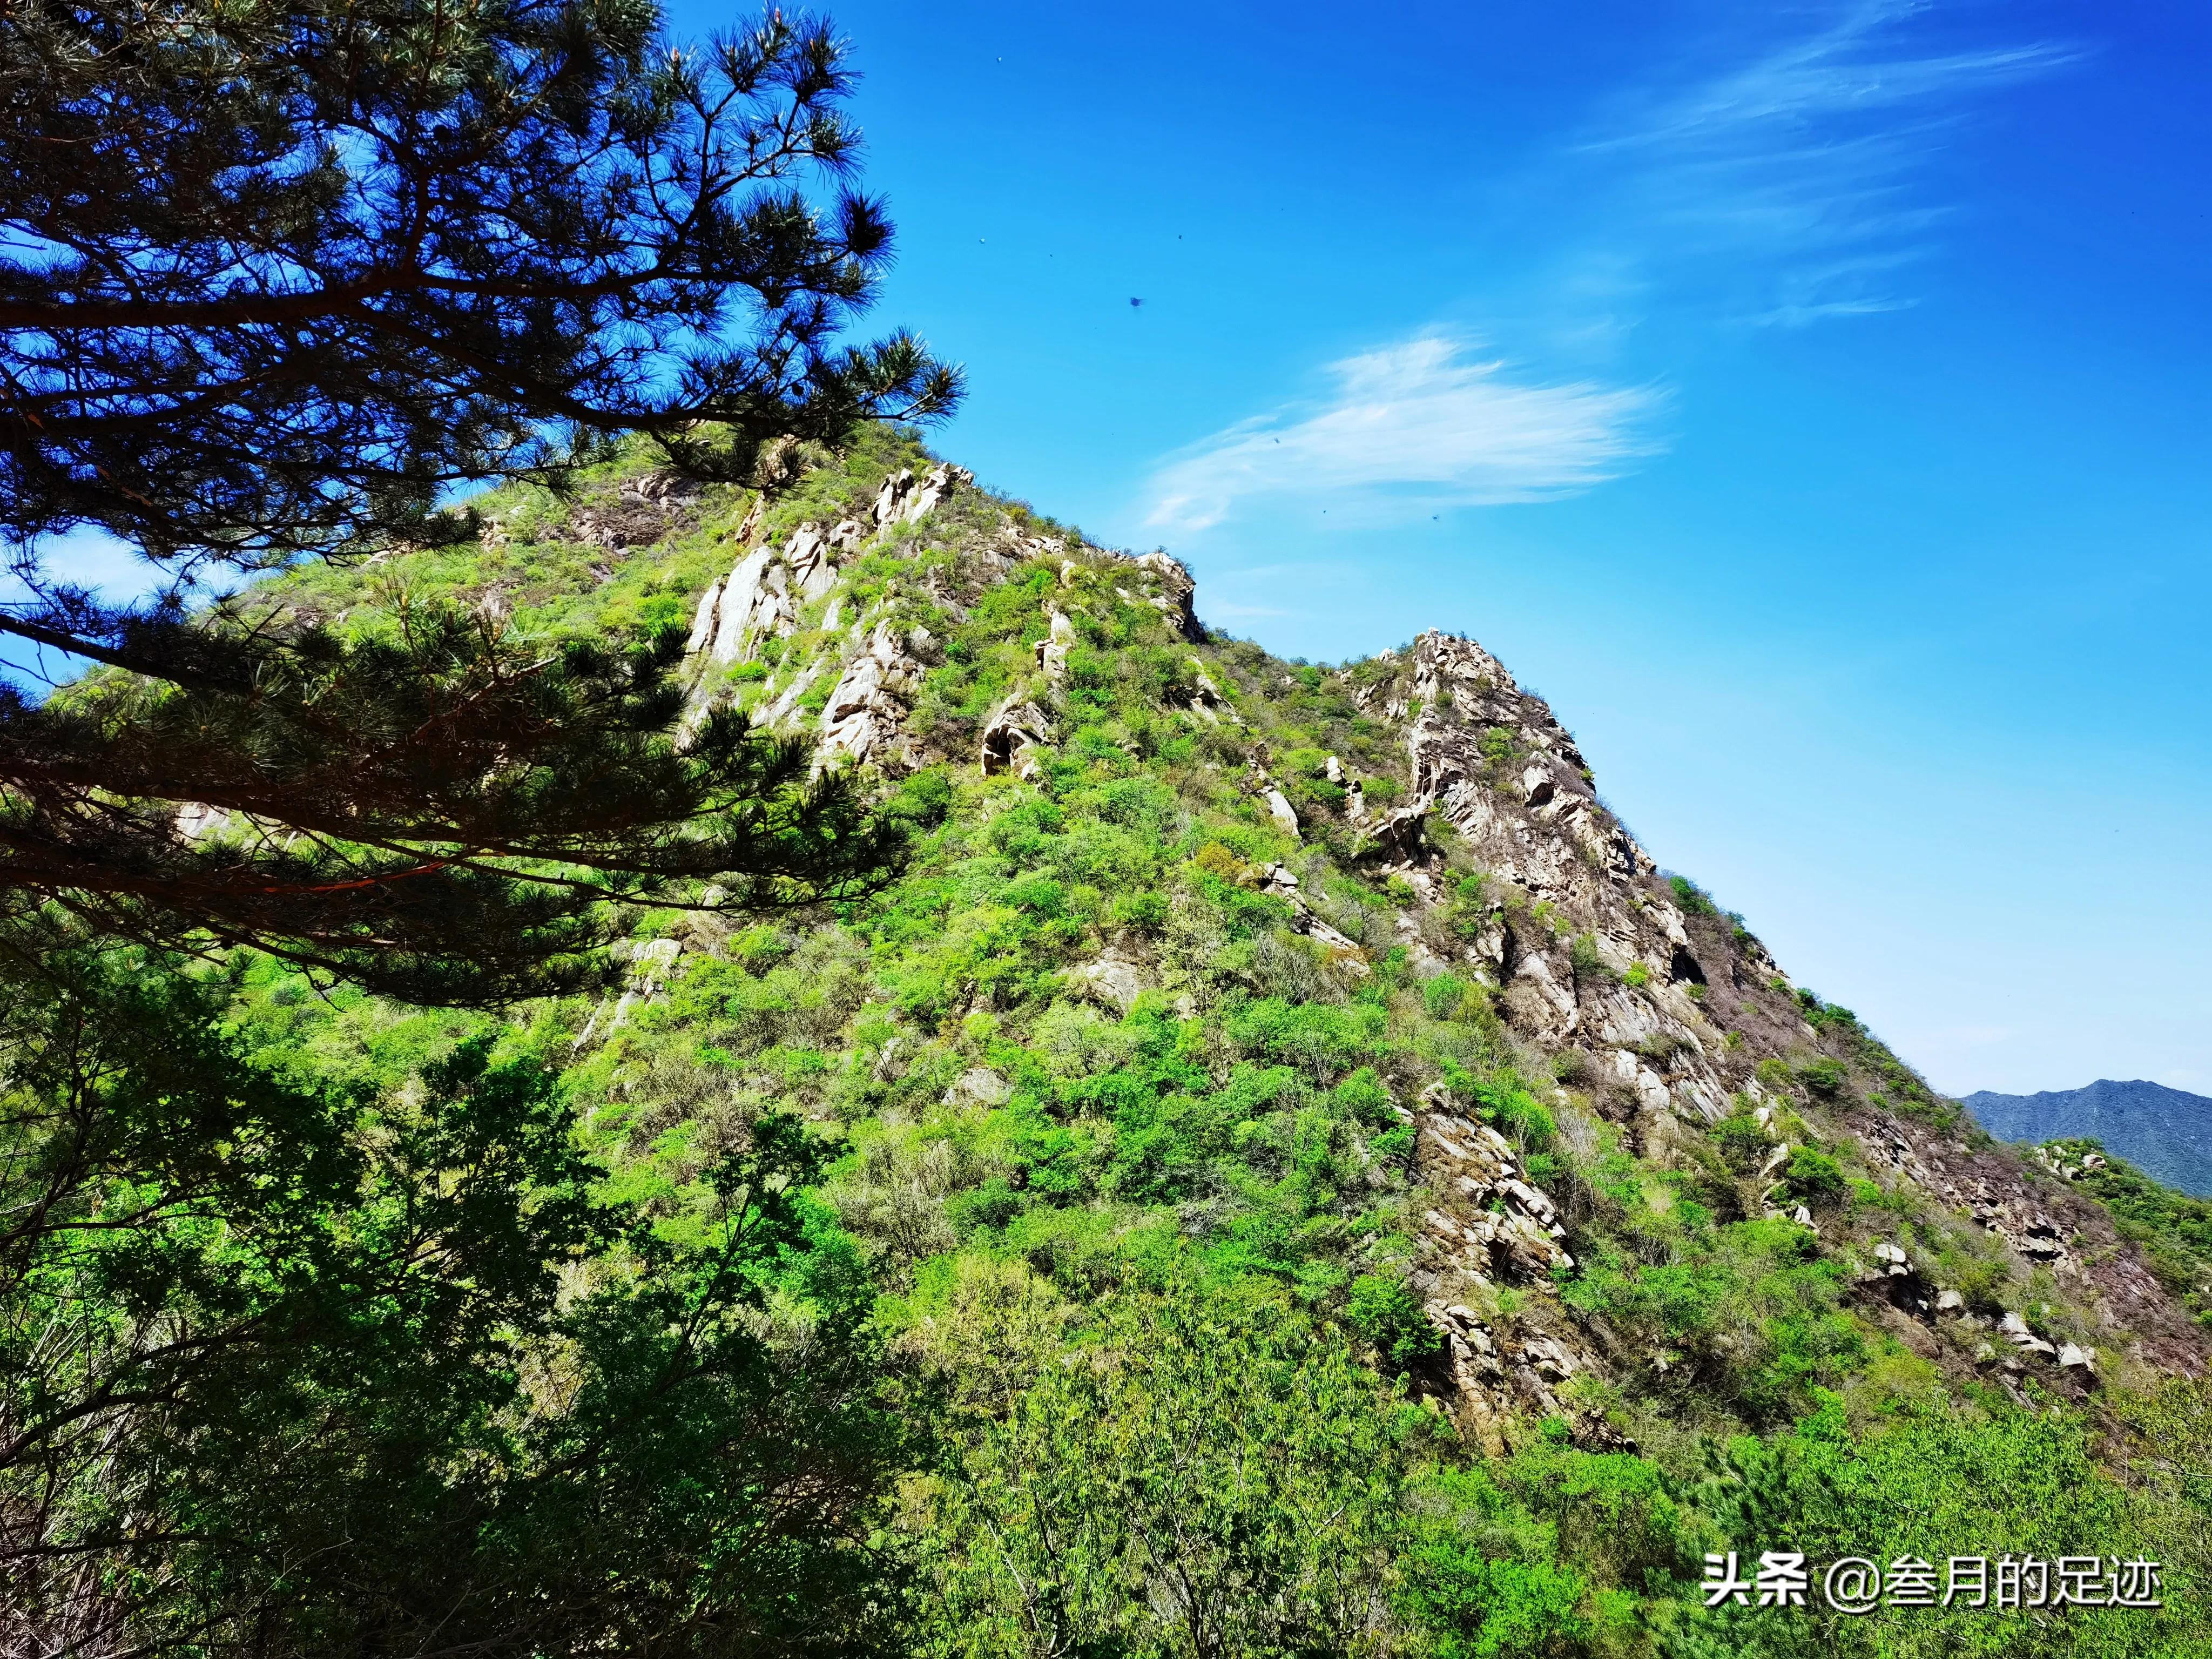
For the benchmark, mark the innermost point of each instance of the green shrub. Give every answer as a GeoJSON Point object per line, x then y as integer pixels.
{"type": "Point", "coordinates": [1824, 1078]}
{"type": "Point", "coordinates": [1743, 1145]}
{"type": "Point", "coordinates": [1583, 959]}
{"type": "Point", "coordinates": [1693, 899]}
{"type": "Point", "coordinates": [1813, 1177]}
{"type": "Point", "coordinates": [1142, 913]}
{"type": "Point", "coordinates": [1465, 915]}
{"type": "Point", "coordinates": [1388, 1315]}
{"type": "Point", "coordinates": [1516, 1114]}
{"type": "Point", "coordinates": [1444, 996]}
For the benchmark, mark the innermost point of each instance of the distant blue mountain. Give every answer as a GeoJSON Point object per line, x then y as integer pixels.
{"type": "Point", "coordinates": [2164, 1132]}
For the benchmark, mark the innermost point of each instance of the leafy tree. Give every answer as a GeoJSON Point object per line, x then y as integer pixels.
{"type": "Point", "coordinates": [1204, 1479]}
{"type": "Point", "coordinates": [279, 274]}
{"type": "Point", "coordinates": [1937, 1483]}
{"type": "Point", "coordinates": [414, 809]}
{"type": "Point", "coordinates": [1386, 1312]}
{"type": "Point", "coordinates": [1481, 1575]}
{"type": "Point", "coordinates": [290, 1369]}
{"type": "Point", "coordinates": [278, 279]}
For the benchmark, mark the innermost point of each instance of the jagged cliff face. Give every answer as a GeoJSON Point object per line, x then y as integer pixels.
{"type": "Point", "coordinates": [1657, 1030]}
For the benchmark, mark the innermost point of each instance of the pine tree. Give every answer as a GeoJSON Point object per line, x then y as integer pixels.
{"type": "Point", "coordinates": [281, 281]}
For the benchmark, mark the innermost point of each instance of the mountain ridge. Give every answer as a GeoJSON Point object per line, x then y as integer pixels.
{"type": "Point", "coordinates": [2166, 1133]}
{"type": "Point", "coordinates": [1332, 992]}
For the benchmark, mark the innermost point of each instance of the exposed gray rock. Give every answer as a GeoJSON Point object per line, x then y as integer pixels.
{"type": "Point", "coordinates": [866, 715]}
{"type": "Point", "coordinates": [702, 619]}
{"type": "Point", "coordinates": [1009, 735]}
{"type": "Point", "coordinates": [978, 1086]}
{"type": "Point", "coordinates": [651, 963]}
{"type": "Point", "coordinates": [1052, 651]}
{"type": "Point", "coordinates": [1207, 701]}
{"type": "Point", "coordinates": [1177, 589]}
{"type": "Point", "coordinates": [1114, 982]}
{"type": "Point", "coordinates": [902, 499]}
{"type": "Point", "coordinates": [1396, 835]}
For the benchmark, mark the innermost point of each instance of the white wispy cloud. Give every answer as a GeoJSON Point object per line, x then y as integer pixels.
{"type": "Point", "coordinates": [1784, 183]}
{"type": "Point", "coordinates": [1791, 181]}
{"type": "Point", "coordinates": [1408, 428]}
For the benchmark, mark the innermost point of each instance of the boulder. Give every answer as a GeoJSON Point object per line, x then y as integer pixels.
{"type": "Point", "coordinates": [978, 1086]}
{"type": "Point", "coordinates": [1009, 734]}
{"type": "Point", "coordinates": [702, 619]}
{"type": "Point", "coordinates": [942, 481]}
{"type": "Point", "coordinates": [1115, 983]}
{"type": "Point", "coordinates": [1207, 701]}
{"type": "Point", "coordinates": [1052, 651]}
{"type": "Point", "coordinates": [1396, 836]}
{"type": "Point", "coordinates": [891, 498]}
{"type": "Point", "coordinates": [902, 499]}
{"type": "Point", "coordinates": [742, 592]}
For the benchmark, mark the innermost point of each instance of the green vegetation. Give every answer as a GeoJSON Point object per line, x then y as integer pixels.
{"type": "Point", "coordinates": [1008, 1321]}
{"type": "Point", "coordinates": [1004, 1218]}
{"type": "Point", "coordinates": [2173, 1230]}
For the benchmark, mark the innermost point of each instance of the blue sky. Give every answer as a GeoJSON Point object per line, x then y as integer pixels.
{"type": "Point", "coordinates": [1811, 401]}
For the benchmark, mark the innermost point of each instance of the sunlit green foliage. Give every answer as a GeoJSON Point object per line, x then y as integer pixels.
{"type": "Point", "coordinates": [1100, 1323]}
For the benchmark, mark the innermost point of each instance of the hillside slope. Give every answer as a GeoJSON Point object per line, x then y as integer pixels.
{"type": "Point", "coordinates": [1265, 991]}
{"type": "Point", "coordinates": [2166, 1132]}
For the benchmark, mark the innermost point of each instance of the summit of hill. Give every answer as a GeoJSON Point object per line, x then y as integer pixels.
{"type": "Point", "coordinates": [1339, 990]}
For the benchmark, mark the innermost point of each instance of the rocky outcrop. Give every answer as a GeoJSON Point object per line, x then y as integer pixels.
{"type": "Point", "coordinates": [1206, 701]}
{"type": "Point", "coordinates": [2047, 1224]}
{"type": "Point", "coordinates": [1490, 1223]}
{"type": "Point", "coordinates": [864, 720]}
{"type": "Point", "coordinates": [1111, 981]}
{"type": "Point", "coordinates": [764, 592]}
{"type": "Point", "coordinates": [1052, 650]}
{"type": "Point", "coordinates": [1173, 590]}
{"type": "Point", "coordinates": [652, 963]}
{"type": "Point", "coordinates": [642, 511]}
{"type": "Point", "coordinates": [1395, 837]}
{"type": "Point", "coordinates": [1487, 1222]}
{"type": "Point", "coordinates": [1281, 881]}
{"type": "Point", "coordinates": [1492, 763]}
{"type": "Point", "coordinates": [1015, 728]}
{"type": "Point", "coordinates": [1656, 1009]}
{"type": "Point", "coordinates": [903, 498]}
